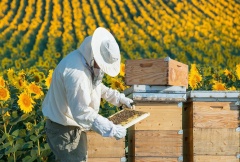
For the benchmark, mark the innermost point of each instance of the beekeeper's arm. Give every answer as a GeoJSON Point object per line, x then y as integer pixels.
{"type": "Point", "coordinates": [115, 97]}
{"type": "Point", "coordinates": [78, 97]}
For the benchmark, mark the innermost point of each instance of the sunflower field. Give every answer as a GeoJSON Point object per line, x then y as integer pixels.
{"type": "Point", "coordinates": [36, 34]}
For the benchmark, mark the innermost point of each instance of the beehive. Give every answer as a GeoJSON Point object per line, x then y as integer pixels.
{"type": "Point", "coordinates": [211, 126]}
{"type": "Point", "coordinates": [105, 148]}
{"type": "Point", "coordinates": [161, 71]}
{"type": "Point", "coordinates": [159, 136]}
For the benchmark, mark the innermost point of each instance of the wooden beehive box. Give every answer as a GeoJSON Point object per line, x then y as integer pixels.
{"type": "Point", "coordinates": [155, 145]}
{"type": "Point", "coordinates": [211, 126]}
{"type": "Point", "coordinates": [162, 71]}
{"type": "Point", "coordinates": [159, 136]}
{"type": "Point", "coordinates": [105, 148]}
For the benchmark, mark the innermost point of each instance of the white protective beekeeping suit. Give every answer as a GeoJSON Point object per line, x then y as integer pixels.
{"type": "Point", "coordinates": [73, 99]}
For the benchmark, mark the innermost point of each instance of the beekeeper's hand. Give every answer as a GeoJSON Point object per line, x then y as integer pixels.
{"type": "Point", "coordinates": [125, 101]}
{"type": "Point", "coordinates": [120, 132]}
{"type": "Point", "coordinates": [106, 128]}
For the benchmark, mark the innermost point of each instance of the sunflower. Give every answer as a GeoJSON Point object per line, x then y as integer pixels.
{"type": "Point", "coordinates": [35, 89]}
{"type": "Point", "coordinates": [11, 76]}
{"type": "Point", "coordinates": [23, 54]}
{"type": "Point", "coordinates": [32, 70]}
{"type": "Point", "coordinates": [117, 84]}
{"type": "Point", "coordinates": [46, 64]}
{"type": "Point", "coordinates": [2, 82]}
{"type": "Point", "coordinates": [29, 126]}
{"type": "Point", "coordinates": [238, 71]}
{"type": "Point", "coordinates": [227, 73]}
{"type": "Point", "coordinates": [17, 64]}
{"type": "Point", "coordinates": [25, 102]}
{"type": "Point", "coordinates": [6, 62]}
{"type": "Point", "coordinates": [232, 88]}
{"type": "Point", "coordinates": [20, 83]}
{"type": "Point", "coordinates": [122, 69]}
{"type": "Point", "coordinates": [194, 77]}
{"type": "Point", "coordinates": [21, 74]}
{"type": "Point", "coordinates": [57, 55]}
{"type": "Point", "coordinates": [48, 80]}
{"type": "Point", "coordinates": [38, 76]}
{"type": "Point", "coordinates": [4, 94]}
{"type": "Point", "coordinates": [6, 114]}
{"type": "Point", "coordinates": [218, 86]}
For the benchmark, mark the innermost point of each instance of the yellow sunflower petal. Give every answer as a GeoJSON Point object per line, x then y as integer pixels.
{"type": "Point", "coordinates": [4, 94]}
{"type": "Point", "coordinates": [36, 90]}
{"type": "Point", "coordinates": [25, 102]}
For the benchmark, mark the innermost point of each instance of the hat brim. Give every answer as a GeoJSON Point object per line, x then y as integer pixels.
{"type": "Point", "coordinates": [99, 35]}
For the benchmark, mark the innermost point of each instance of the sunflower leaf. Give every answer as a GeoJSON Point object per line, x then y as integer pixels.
{"type": "Point", "coordinates": [15, 133]}
{"type": "Point", "coordinates": [27, 145]}
{"type": "Point", "coordinates": [24, 116]}
{"type": "Point", "coordinates": [14, 121]}
{"type": "Point", "coordinates": [3, 137]}
{"type": "Point", "coordinates": [12, 149]}
{"type": "Point", "coordinates": [29, 158]}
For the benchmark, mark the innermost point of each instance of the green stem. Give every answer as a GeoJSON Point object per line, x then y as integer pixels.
{"type": "Point", "coordinates": [39, 151]}
{"type": "Point", "coordinates": [38, 143]}
{"type": "Point", "coordinates": [14, 156]}
{"type": "Point", "coordinates": [4, 126]}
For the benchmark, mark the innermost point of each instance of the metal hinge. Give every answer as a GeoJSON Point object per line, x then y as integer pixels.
{"type": "Point", "coordinates": [238, 129]}
{"type": "Point", "coordinates": [238, 156]}
{"type": "Point", "coordinates": [180, 104]}
{"type": "Point", "coordinates": [167, 59]}
{"type": "Point", "coordinates": [237, 103]}
{"type": "Point", "coordinates": [180, 132]}
{"type": "Point", "coordinates": [180, 158]}
{"type": "Point", "coordinates": [123, 159]}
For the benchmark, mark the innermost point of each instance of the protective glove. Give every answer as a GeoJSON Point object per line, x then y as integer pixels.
{"type": "Point", "coordinates": [106, 128]}
{"type": "Point", "coordinates": [125, 101]}
{"type": "Point", "coordinates": [120, 132]}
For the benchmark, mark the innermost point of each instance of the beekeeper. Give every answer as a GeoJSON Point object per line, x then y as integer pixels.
{"type": "Point", "coordinates": [72, 102]}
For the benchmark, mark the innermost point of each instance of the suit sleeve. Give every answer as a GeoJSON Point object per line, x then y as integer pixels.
{"type": "Point", "coordinates": [111, 95]}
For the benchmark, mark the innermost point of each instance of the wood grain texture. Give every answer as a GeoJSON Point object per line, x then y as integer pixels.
{"type": "Point", "coordinates": [210, 115]}
{"type": "Point", "coordinates": [163, 143]}
{"type": "Point", "coordinates": [104, 147]}
{"type": "Point", "coordinates": [205, 158]}
{"type": "Point", "coordinates": [152, 159]}
{"type": "Point", "coordinates": [177, 73]}
{"type": "Point", "coordinates": [156, 72]}
{"type": "Point", "coordinates": [207, 141]}
{"type": "Point", "coordinates": [137, 72]}
{"type": "Point", "coordinates": [162, 116]}
{"type": "Point", "coordinates": [104, 159]}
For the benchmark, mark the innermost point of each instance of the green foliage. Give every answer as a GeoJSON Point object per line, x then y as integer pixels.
{"type": "Point", "coordinates": [22, 134]}
{"type": "Point", "coordinates": [21, 143]}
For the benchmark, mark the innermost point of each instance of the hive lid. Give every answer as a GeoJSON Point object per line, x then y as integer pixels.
{"type": "Point", "coordinates": [154, 89]}
{"type": "Point", "coordinates": [223, 96]}
{"type": "Point", "coordinates": [158, 97]}
{"type": "Point", "coordinates": [128, 117]}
